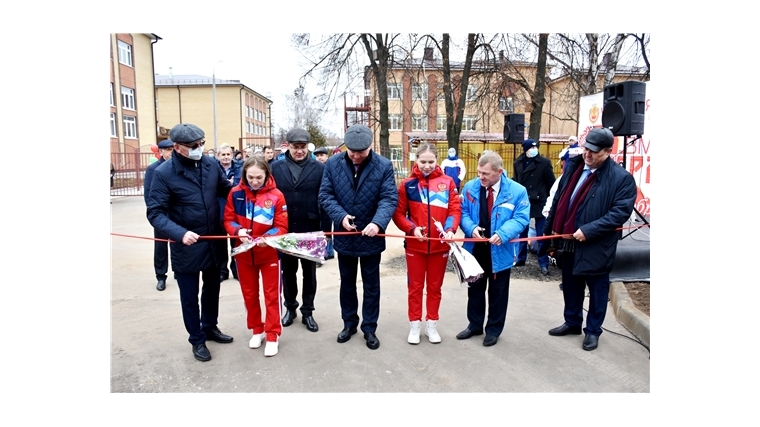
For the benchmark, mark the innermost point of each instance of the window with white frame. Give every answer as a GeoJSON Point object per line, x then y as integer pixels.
{"type": "Point", "coordinates": [506, 104]}
{"type": "Point", "coordinates": [440, 123]}
{"type": "Point", "coordinates": [419, 91]}
{"type": "Point", "coordinates": [113, 124]}
{"type": "Point", "coordinates": [130, 127]}
{"type": "Point", "coordinates": [441, 93]}
{"type": "Point", "coordinates": [469, 123]}
{"type": "Point", "coordinates": [419, 122]}
{"type": "Point", "coordinates": [396, 121]}
{"type": "Point", "coordinates": [127, 98]}
{"type": "Point", "coordinates": [472, 92]}
{"type": "Point", "coordinates": [395, 91]}
{"type": "Point", "coordinates": [112, 100]}
{"type": "Point", "coordinates": [125, 53]}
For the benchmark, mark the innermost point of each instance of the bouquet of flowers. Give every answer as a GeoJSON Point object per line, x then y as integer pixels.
{"type": "Point", "coordinates": [464, 264]}
{"type": "Point", "coordinates": [311, 246]}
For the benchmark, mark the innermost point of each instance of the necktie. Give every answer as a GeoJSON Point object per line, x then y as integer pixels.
{"type": "Point", "coordinates": [584, 175]}
{"type": "Point", "coordinates": [356, 170]}
{"type": "Point", "coordinates": [489, 200]}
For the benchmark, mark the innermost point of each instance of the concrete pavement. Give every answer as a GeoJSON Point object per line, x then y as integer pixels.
{"type": "Point", "coordinates": [150, 351]}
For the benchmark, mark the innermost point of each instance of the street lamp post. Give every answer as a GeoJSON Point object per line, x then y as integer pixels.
{"type": "Point", "coordinates": [213, 90]}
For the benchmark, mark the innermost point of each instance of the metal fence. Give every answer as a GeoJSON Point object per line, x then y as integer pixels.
{"type": "Point", "coordinates": [129, 172]}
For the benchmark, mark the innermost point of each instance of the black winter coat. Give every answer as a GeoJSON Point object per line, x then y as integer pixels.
{"type": "Point", "coordinates": [179, 202]}
{"type": "Point", "coordinates": [537, 178]}
{"type": "Point", "coordinates": [607, 207]}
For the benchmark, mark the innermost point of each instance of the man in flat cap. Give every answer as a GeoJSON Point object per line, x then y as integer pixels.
{"type": "Point", "coordinates": [536, 174]}
{"type": "Point", "coordinates": [298, 176]}
{"type": "Point", "coordinates": [183, 204]}
{"type": "Point", "coordinates": [160, 245]}
{"type": "Point", "coordinates": [594, 198]}
{"type": "Point", "coordinates": [359, 194]}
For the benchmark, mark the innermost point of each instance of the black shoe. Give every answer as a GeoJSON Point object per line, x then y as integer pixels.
{"type": "Point", "coordinates": [161, 285]}
{"type": "Point", "coordinates": [372, 342]}
{"type": "Point", "coordinates": [319, 265]}
{"type": "Point", "coordinates": [310, 323]}
{"type": "Point", "coordinates": [201, 352]}
{"type": "Point", "coordinates": [345, 334]}
{"type": "Point", "coordinates": [519, 263]}
{"type": "Point", "coordinates": [467, 333]}
{"type": "Point", "coordinates": [329, 257]}
{"type": "Point", "coordinates": [560, 287]}
{"type": "Point", "coordinates": [545, 271]}
{"type": "Point", "coordinates": [216, 335]}
{"type": "Point", "coordinates": [590, 342]}
{"type": "Point", "coordinates": [490, 340]}
{"type": "Point", "coordinates": [563, 330]}
{"type": "Point", "coordinates": [289, 317]}
{"type": "Point", "coordinates": [223, 277]}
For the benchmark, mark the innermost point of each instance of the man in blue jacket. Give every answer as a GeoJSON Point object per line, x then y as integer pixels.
{"type": "Point", "coordinates": [183, 204]}
{"type": "Point", "coordinates": [359, 194]}
{"type": "Point", "coordinates": [160, 246]}
{"type": "Point", "coordinates": [594, 198]}
{"type": "Point", "coordinates": [496, 208]}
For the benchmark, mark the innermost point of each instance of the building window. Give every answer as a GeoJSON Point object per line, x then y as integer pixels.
{"type": "Point", "coordinates": [419, 91]}
{"type": "Point", "coordinates": [112, 104]}
{"type": "Point", "coordinates": [247, 111]}
{"type": "Point", "coordinates": [125, 53]}
{"type": "Point", "coordinates": [472, 92]}
{"type": "Point", "coordinates": [130, 127]}
{"type": "Point", "coordinates": [396, 121]}
{"type": "Point", "coordinates": [505, 104]}
{"type": "Point", "coordinates": [419, 122]}
{"type": "Point", "coordinates": [113, 124]}
{"type": "Point", "coordinates": [469, 123]}
{"type": "Point", "coordinates": [395, 91]}
{"type": "Point", "coordinates": [441, 93]}
{"type": "Point", "coordinates": [440, 123]}
{"type": "Point", "coordinates": [127, 98]}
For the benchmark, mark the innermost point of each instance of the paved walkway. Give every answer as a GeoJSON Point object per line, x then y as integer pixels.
{"type": "Point", "coordinates": [150, 352]}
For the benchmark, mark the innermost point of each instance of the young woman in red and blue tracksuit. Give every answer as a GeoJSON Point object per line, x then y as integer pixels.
{"type": "Point", "coordinates": [428, 195]}
{"type": "Point", "coordinates": [256, 208]}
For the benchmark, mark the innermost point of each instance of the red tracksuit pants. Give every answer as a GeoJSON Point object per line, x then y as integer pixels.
{"type": "Point", "coordinates": [421, 268]}
{"type": "Point", "coordinates": [249, 284]}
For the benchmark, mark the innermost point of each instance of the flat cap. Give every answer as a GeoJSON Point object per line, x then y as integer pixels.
{"type": "Point", "coordinates": [186, 133]}
{"type": "Point", "coordinates": [358, 138]}
{"type": "Point", "coordinates": [167, 143]}
{"type": "Point", "coordinates": [298, 135]}
{"type": "Point", "coordinates": [599, 138]}
{"type": "Point", "coordinates": [321, 150]}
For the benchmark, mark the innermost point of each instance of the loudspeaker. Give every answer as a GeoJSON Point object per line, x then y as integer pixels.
{"type": "Point", "coordinates": [514, 128]}
{"type": "Point", "coordinates": [624, 106]}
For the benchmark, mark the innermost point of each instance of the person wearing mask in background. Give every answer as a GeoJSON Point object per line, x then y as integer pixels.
{"type": "Point", "coordinates": [211, 153]}
{"type": "Point", "coordinates": [322, 154]}
{"type": "Point", "coordinates": [359, 194]}
{"type": "Point", "coordinates": [535, 173]}
{"type": "Point", "coordinates": [594, 198]}
{"type": "Point", "coordinates": [425, 197]}
{"type": "Point", "coordinates": [453, 166]}
{"type": "Point", "coordinates": [160, 247]}
{"type": "Point", "coordinates": [299, 177]}
{"type": "Point", "coordinates": [232, 172]}
{"type": "Point", "coordinates": [496, 208]}
{"type": "Point", "coordinates": [183, 205]}
{"type": "Point", "coordinates": [256, 208]}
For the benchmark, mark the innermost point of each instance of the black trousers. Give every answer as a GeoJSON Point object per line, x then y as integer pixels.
{"type": "Point", "coordinates": [349, 300]}
{"type": "Point", "coordinates": [493, 288]}
{"type": "Point", "coordinates": [289, 266]}
{"type": "Point", "coordinates": [160, 255]}
{"type": "Point", "coordinates": [199, 318]}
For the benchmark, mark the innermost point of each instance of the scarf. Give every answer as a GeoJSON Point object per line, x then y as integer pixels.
{"type": "Point", "coordinates": [564, 217]}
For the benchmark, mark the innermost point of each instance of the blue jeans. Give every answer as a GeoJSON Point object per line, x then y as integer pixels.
{"type": "Point", "coordinates": [522, 254]}
{"type": "Point", "coordinates": [330, 252]}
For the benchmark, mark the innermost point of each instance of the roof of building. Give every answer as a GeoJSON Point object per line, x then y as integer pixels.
{"type": "Point", "coordinates": [198, 80]}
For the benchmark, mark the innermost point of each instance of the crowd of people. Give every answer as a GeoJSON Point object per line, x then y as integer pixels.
{"type": "Point", "coordinates": [251, 194]}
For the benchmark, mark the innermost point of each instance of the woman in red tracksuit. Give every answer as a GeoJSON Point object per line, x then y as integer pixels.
{"type": "Point", "coordinates": [255, 207]}
{"type": "Point", "coordinates": [428, 195]}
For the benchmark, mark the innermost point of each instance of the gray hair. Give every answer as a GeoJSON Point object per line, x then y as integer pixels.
{"type": "Point", "coordinates": [492, 158]}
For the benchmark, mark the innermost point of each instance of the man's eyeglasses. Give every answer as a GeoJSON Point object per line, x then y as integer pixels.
{"type": "Point", "coordinates": [200, 143]}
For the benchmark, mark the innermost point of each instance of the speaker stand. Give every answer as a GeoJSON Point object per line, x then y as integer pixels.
{"type": "Point", "coordinates": [624, 165]}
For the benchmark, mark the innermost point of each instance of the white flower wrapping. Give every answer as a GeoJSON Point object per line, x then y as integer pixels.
{"type": "Point", "coordinates": [311, 246]}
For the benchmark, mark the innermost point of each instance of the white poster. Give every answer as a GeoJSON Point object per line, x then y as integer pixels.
{"type": "Point", "coordinates": [637, 156]}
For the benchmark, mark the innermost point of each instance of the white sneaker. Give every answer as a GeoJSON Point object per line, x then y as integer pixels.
{"type": "Point", "coordinates": [431, 333]}
{"type": "Point", "coordinates": [271, 348]}
{"type": "Point", "coordinates": [414, 332]}
{"type": "Point", "coordinates": [256, 340]}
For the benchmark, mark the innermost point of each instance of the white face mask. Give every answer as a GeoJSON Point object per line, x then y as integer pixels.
{"type": "Point", "coordinates": [195, 154]}
{"type": "Point", "coordinates": [533, 152]}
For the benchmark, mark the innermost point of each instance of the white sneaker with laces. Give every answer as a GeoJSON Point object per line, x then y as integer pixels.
{"type": "Point", "coordinates": [256, 340]}
{"type": "Point", "coordinates": [271, 348]}
{"type": "Point", "coordinates": [414, 332]}
{"type": "Point", "coordinates": [431, 332]}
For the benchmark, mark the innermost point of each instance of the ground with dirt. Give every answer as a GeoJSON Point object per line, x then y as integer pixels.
{"type": "Point", "coordinates": [638, 291]}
